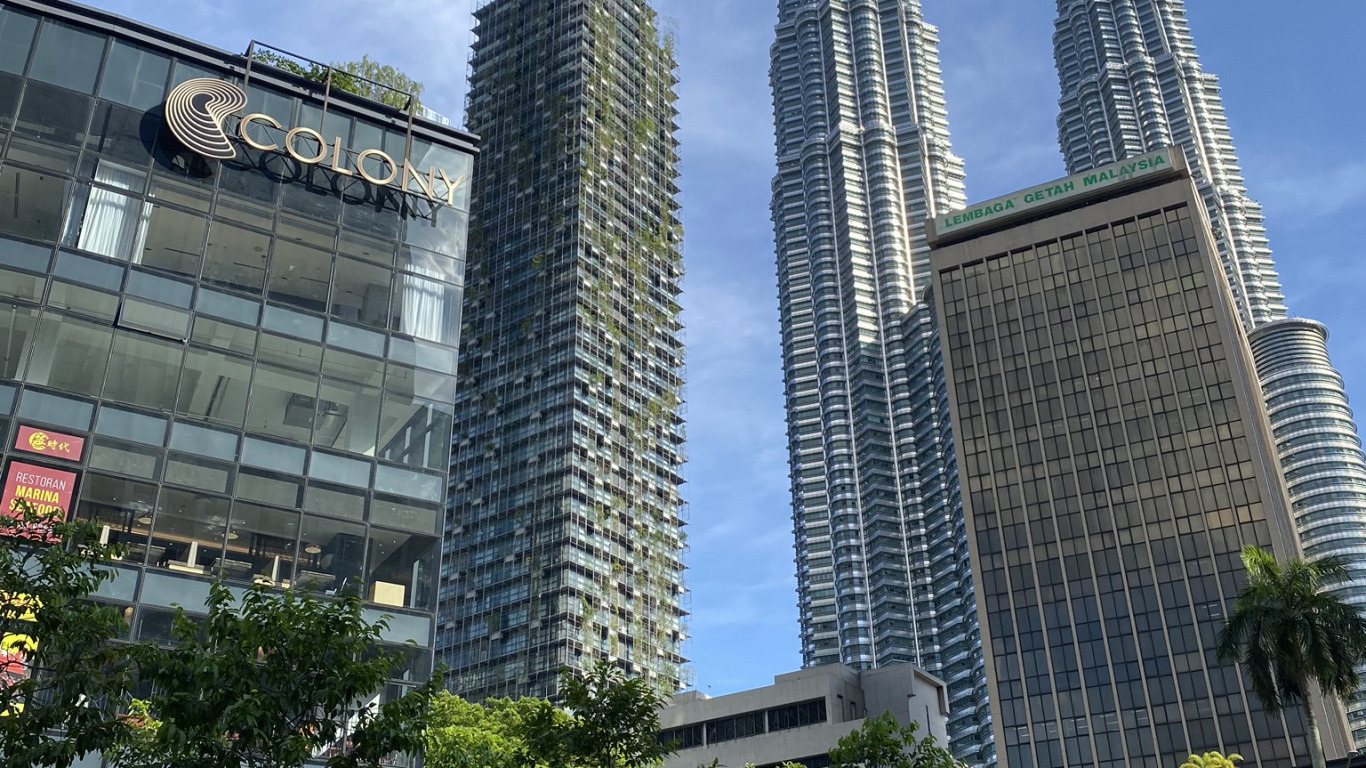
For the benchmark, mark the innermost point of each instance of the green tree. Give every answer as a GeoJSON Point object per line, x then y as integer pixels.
{"type": "Point", "coordinates": [882, 742]}
{"type": "Point", "coordinates": [366, 78]}
{"type": "Point", "coordinates": [60, 670]}
{"type": "Point", "coordinates": [1212, 760]}
{"type": "Point", "coordinates": [386, 85]}
{"type": "Point", "coordinates": [615, 720]}
{"type": "Point", "coordinates": [501, 733]}
{"type": "Point", "coordinates": [272, 680]}
{"type": "Point", "coordinates": [1291, 635]}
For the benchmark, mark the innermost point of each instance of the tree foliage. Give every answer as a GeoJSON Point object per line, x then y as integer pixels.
{"type": "Point", "coordinates": [607, 721]}
{"type": "Point", "coordinates": [616, 720]}
{"type": "Point", "coordinates": [272, 680]}
{"type": "Point", "coordinates": [1291, 634]}
{"type": "Point", "coordinates": [61, 670]}
{"type": "Point", "coordinates": [1212, 760]}
{"type": "Point", "coordinates": [882, 742]}
{"type": "Point", "coordinates": [366, 78]}
{"type": "Point", "coordinates": [501, 733]}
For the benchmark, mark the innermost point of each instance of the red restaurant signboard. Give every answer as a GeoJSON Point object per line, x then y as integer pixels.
{"type": "Point", "coordinates": [48, 490]}
{"type": "Point", "coordinates": [49, 443]}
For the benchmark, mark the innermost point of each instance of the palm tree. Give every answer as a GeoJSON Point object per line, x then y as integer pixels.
{"type": "Point", "coordinates": [1291, 635]}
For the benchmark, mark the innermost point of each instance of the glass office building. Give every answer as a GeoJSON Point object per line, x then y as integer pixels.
{"type": "Point", "coordinates": [1116, 457]}
{"type": "Point", "coordinates": [242, 368]}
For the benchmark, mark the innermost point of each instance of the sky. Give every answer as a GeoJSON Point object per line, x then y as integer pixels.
{"type": "Point", "coordinates": [1292, 87]}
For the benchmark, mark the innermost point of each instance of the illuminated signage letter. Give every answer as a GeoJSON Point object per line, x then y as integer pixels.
{"type": "Point", "coordinates": [451, 186]}
{"type": "Point", "coordinates": [257, 117]}
{"type": "Point", "coordinates": [310, 133]}
{"type": "Point", "coordinates": [424, 184]}
{"type": "Point", "coordinates": [381, 181]}
{"type": "Point", "coordinates": [337, 155]}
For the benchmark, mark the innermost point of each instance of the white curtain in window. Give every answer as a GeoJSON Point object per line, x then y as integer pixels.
{"type": "Point", "coordinates": [114, 223]}
{"type": "Point", "coordinates": [424, 305]}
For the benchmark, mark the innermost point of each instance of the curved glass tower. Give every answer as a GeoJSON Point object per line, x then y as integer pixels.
{"type": "Point", "coordinates": [863, 160]}
{"type": "Point", "coordinates": [1131, 82]}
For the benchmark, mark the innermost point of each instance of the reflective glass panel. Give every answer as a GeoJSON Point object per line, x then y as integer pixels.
{"type": "Point", "coordinates": [144, 371]}
{"type": "Point", "coordinates": [134, 76]}
{"type": "Point", "coordinates": [67, 56]}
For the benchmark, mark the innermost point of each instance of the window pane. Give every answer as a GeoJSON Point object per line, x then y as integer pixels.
{"type": "Point", "coordinates": [212, 333]}
{"type": "Point", "coordinates": [261, 544]}
{"type": "Point", "coordinates": [403, 482]}
{"type": "Point", "coordinates": [131, 426]}
{"type": "Point", "coordinates": [83, 301]}
{"type": "Point", "coordinates": [67, 56]}
{"type": "Point", "coordinates": [263, 453]}
{"type": "Point", "coordinates": [300, 276]}
{"type": "Point", "coordinates": [100, 274]}
{"type": "Point", "coordinates": [355, 339]}
{"type": "Point", "coordinates": [268, 102]}
{"type": "Point", "coordinates": [16, 330]}
{"type": "Point", "coordinates": [70, 354]}
{"type": "Point", "coordinates": [9, 96]}
{"type": "Point", "coordinates": [107, 221]}
{"type": "Point", "coordinates": [31, 203]}
{"type": "Point", "coordinates": [144, 371]}
{"type": "Point", "coordinates": [353, 368]}
{"type": "Point", "coordinates": [155, 319]}
{"type": "Point", "coordinates": [42, 155]}
{"type": "Point", "coordinates": [55, 409]}
{"type": "Point", "coordinates": [331, 555]}
{"type": "Point", "coordinates": [426, 309]}
{"type": "Point", "coordinates": [416, 432]}
{"type": "Point", "coordinates": [229, 307]}
{"type": "Point", "coordinates": [292, 323]}
{"type": "Point", "coordinates": [348, 417]}
{"type": "Point", "coordinates": [125, 459]}
{"type": "Point", "coordinates": [188, 529]}
{"type": "Point", "coordinates": [174, 240]}
{"type": "Point", "coordinates": [291, 353]}
{"type": "Point", "coordinates": [336, 469]}
{"type": "Point", "coordinates": [123, 134]}
{"type": "Point", "coordinates": [337, 502]}
{"type": "Point", "coordinates": [124, 509]}
{"type": "Point", "coordinates": [162, 289]}
{"type": "Point", "coordinates": [236, 257]}
{"type": "Point", "coordinates": [204, 441]}
{"type": "Point", "coordinates": [442, 231]}
{"type": "Point", "coordinates": [54, 115]}
{"type": "Point", "coordinates": [282, 403]}
{"type": "Point", "coordinates": [16, 39]}
{"type": "Point", "coordinates": [214, 387]}
{"type": "Point", "coordinates": [134, 76]}
{"type": "Point", "coordinates": [35, 258]}
{"type": "Point", "coordinates": [361, 294]}
{"type": "Point", "coordinates": [402, 569]}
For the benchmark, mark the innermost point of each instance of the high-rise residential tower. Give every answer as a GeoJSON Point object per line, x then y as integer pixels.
{"type": "Point", "coordinates": [1116, 458]}
{"type": "Point", "coordinates": [1131, 82]}
{"type": "Point", "coordinates": [564, 532]}
{"type": "Point", "coordinates": [863, 159]}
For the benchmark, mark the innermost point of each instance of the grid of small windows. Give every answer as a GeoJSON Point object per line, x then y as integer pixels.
{"type": "Point", "coordinates": [796, 715]}
{"type": "Point", "coordinates": [260, 355]}
{"type": "Point", "coordinates": [1110, 490]}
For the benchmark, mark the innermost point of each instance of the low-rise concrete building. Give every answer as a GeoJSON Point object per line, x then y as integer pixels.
{"type": "Point", "coordinates": [800, 717]}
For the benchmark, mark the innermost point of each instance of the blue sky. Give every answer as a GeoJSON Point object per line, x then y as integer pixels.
{"type": "Point", "coordinates": [1292, 85]}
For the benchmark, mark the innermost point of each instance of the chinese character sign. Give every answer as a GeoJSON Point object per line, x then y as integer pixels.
{"type": "Point", "coordinates": [49, 443]}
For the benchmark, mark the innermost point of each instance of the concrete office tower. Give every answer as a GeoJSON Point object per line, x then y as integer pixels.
{"type": "Point", "coordinates": [863, 158]}
{"type": "Point", "coordinates": [1131, 83]}
{"type": "Point", "coordinates": [565, 523]}
{"type": "Point", "coordinates": [1116, 458]}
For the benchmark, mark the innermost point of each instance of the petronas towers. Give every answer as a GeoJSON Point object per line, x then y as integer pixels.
{"type": "Point", "coordinates": [863, 160]}
{"type": "Point", "coordinates": [864, 157]}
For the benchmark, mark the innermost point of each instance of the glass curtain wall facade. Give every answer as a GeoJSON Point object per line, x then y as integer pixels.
{"type": "Point", "coordinates": [566, 523]}
{"type": "Point", "coordinates": [1132, 82]}
{"type": "Point", "coordinates": [255, 359]}
{"type": "Point", "coordinates": [1116, 458]}
{"type": "Point", "coordinates": [863, 159]}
